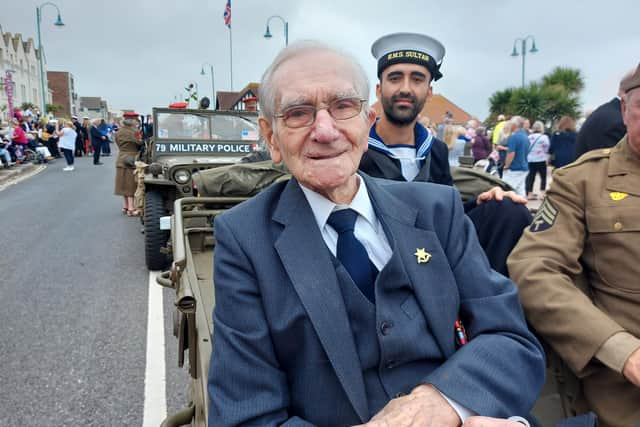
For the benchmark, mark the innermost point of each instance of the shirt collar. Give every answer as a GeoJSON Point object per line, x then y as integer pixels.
{"type": "Point", "coordinates": [423, 141]}
{"type": "Point", "coordinates": [323, 207]}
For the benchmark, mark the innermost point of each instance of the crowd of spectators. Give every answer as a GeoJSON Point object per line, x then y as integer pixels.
{"type": "Point", "coordinates": [550, 145]}
{"type": "Point", "coordinates": [27, 137]}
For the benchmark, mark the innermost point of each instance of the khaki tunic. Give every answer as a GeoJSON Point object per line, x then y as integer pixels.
{"type": "Point", "coordinates": [588, 231]}
{"type": "Point", "coordinates": [128, 143]}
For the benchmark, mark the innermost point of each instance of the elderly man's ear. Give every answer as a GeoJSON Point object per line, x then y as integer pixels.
{"type": "Point", "coordinates": [267, 133]}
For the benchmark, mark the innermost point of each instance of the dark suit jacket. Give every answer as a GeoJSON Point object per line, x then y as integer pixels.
{"type": "Point", "coordinates": [602, 129]}
{"type": "Point", "coordinates": [283, 351]}
{"type": "Point", "coordinates": [96, 135]}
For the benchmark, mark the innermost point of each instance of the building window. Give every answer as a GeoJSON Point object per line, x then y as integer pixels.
{"type": "Point", "coordinates": [23, 92]}
{"type": "Point", "coordinates": [35, 96]}
{"type": "Point", "coordinates": [21, 65]}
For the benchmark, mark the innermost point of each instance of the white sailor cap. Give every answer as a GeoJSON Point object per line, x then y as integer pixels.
{"type": "Point", "coordinates": [409, 48]}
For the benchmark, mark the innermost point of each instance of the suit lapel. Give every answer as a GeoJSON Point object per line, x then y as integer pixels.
{"type": "Point", "coordinates": [308, 263]}
{"type": "Point", "coordinates": [437, 294]}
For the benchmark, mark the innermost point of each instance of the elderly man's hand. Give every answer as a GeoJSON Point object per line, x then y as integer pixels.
{"type": "Point", "coordinates": [499, 194]}
{"type": "Point", "coordinates": [490, 422]}
{"type": "Point", "coordinates": [423, 407]}
{"type": "Point", "coordinates": [631, 369]}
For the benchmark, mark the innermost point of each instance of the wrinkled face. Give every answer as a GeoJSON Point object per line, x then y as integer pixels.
{"type": "Point", "coordinates": [325, 155]}
{"type": "Point", "coordinates": [403, 90]}
{"type": "Point", "coordinates": [631, 117]}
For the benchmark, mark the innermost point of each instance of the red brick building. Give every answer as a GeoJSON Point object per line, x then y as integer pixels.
{"type": "Point", "coordinates": [63, 92]}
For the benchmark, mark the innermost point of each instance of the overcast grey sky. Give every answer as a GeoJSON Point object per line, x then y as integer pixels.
{"type": "Point", "coordinates": [141, 53]}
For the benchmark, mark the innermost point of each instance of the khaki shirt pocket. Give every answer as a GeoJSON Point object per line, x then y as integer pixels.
{"type": "Point", "coordinates": [614, 234]}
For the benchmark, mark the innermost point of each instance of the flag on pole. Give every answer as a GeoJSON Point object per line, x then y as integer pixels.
{"type": "Point", "coordinates": [227, 14]}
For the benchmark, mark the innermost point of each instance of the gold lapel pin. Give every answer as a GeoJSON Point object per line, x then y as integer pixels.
{"type": "Point", "coordinates": [422, 256]}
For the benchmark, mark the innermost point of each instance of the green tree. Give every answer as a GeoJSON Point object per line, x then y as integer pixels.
{"type": "Point", "coordinates": [27, 106]}
{"type": "Point", "coordinates": [568, 78]}
{"type": "Point", "coordinates": [555, 95]}
{"type": "Point", "coordinates": [560, 103]}
{"type": "Point", "coordinates": [500, 101]}
{"type": "Point", "coordinates": [53, 108]}
{"type": "Point", "coordinates": [530, 101]}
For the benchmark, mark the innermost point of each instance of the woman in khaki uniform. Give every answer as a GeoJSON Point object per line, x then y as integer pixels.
{"type": "Point", "coordinates": [578, 270]}
{"type": "Point", "coordinates": [128, 141]}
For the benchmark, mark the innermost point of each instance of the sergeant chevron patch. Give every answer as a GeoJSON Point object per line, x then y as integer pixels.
{"type": "Point", "coordinates": [545, 217]}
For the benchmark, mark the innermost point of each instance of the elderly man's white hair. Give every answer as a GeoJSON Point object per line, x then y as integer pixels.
{"type": "Point", "coordinates": [268, 91]}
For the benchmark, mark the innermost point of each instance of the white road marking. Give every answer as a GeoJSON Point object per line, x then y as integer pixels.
{"type": "Point", "coordinates": [155, 401]}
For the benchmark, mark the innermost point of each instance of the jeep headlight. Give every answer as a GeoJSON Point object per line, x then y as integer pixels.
{"type": "Point", "coordinates": [182, 176]}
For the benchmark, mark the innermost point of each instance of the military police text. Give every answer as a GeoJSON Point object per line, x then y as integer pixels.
{"type": "Point", "coordinates": [204, 148]}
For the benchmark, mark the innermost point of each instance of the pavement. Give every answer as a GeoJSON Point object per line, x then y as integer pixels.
{"type": "Point", "coordinates": [16, 173]}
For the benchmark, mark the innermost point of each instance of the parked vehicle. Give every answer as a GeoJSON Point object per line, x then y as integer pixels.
{"type": "Point", "coordinates": [186, 141]}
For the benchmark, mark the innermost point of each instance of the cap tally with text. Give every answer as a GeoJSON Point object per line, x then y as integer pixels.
{"type": "Point", "coordinates": [410, 48]}
{"type": "Point", "coordinates": [131, 114]}
{"type": "Point", "coordinates": [632, 82]}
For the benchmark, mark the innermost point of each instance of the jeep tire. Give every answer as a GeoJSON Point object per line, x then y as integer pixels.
{"type": "Point", "coordinates": [154, 238]}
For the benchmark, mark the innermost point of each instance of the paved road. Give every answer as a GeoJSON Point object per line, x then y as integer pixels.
{"type": "Point", "coordinates": [74, 289]}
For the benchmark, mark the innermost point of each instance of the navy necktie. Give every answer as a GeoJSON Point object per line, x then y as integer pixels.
{"type": "Point", "coordinates": [351, 253]}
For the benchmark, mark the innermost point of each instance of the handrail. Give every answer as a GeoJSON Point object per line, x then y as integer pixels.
{"type": "Point", "coordinates": [179, 251]}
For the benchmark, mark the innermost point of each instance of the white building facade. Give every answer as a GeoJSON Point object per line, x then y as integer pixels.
{"type": "Point", "coordinates": [20, 59]}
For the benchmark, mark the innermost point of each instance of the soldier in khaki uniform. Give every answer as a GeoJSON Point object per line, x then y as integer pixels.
{"type": "Point", "coordinates": [588, 231]}
{"type": "Point", "coordinates": [129, 140]}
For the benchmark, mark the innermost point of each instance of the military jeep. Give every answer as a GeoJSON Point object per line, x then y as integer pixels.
{"type": "Point", "coordinates": [186, 141]}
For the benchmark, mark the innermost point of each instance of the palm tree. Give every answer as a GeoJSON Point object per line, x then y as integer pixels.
{"type": "Point", "coordinates": [500, 101]}
{"type": "Point", "coordinates": [529, 101]}
{"type": "Point", "coordinates": [569, 78]}
{"type": "Point", "coordinates": [559, 104]}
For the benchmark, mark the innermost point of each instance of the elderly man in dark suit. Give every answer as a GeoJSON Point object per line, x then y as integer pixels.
{"type": "Point", "coordinates": [344, 300]}
{"type": "Point", "coordinates": [604, 127]}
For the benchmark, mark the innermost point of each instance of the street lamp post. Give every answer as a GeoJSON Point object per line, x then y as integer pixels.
{"type": "Point", "coordinates": [267, 33]}
{"type": "Point", "coordinates": [524, 50]}
{"type": "Point", "coordinates": [213, 90]}
{"type": "Point", "coordinates": [58, 23]}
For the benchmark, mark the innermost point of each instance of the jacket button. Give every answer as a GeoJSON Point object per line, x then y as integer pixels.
{"type": "Point", "coordinates": [617, 226]}
{"type": "Point", "coordinates": [390, 364]}
{"type": "Point", "coordinates": [385, 328]}
{"type": "Point", "coordinates": [399, 394]}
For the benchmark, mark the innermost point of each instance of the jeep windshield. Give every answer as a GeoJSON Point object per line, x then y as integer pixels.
{"type": "Point", "coordinates": [206, 127]}
{"type": "Point", "coordinates": [219, 133]}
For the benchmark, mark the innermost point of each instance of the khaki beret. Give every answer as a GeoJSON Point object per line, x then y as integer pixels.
{"type": "Point", "coordinates": [632, 81]}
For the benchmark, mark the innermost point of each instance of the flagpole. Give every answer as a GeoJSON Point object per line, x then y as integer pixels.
{"type": "Point", "coordinates": [231, 56]}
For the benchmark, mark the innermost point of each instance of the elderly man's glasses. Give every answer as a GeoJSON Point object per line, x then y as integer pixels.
{"type": "Point", "coordinates": [298, 116]}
